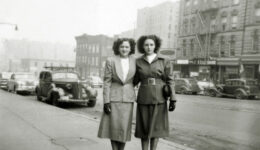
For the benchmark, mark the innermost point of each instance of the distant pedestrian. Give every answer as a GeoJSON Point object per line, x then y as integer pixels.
{"type": "Point", "coordinates": [119, 94]}
{"type": "Point", "coordinates": [153, 72]}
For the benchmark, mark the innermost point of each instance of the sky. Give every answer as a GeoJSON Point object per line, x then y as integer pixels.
{"type": "Point", "coordinates": [62, 20]}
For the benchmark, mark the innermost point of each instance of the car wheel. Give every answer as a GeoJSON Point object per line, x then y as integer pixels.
{"type": "Point", "coordinates": [212, 93]}
{"type": "Point", "coordinates": [240, 95]}
{"type": "Point", "coordinates": [183, 91]}
{"type": "Point", "coordinates": [38, 97]}
{"type": "Point", "coordinates": [92, 103]}
{"type": "Point", "coordinates": [54, 99]}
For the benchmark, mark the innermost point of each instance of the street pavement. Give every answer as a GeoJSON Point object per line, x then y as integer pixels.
{"type": "Point", "coordinates": [33, 125]}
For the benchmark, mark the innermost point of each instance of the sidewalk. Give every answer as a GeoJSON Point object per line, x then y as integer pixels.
{"type": "Point", "coordinates": [31, 125]}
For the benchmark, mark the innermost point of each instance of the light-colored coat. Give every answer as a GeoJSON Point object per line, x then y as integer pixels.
{"type": "Point", "coordinates": [115, 88]}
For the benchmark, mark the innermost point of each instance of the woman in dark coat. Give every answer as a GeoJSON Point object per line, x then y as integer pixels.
{"type": "Point", "coordinates": [119, 94]}
{"type": "Point", "coordinates": [153, 72]}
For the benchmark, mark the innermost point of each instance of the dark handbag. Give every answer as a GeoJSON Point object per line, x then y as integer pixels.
{"type": "Point", "coordinates": [167, 91]}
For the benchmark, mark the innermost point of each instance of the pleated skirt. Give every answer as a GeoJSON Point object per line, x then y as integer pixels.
{"type": "Point", "coordinates": [152, 121]}
{"type": "Point", "coordinates": [117, 126]}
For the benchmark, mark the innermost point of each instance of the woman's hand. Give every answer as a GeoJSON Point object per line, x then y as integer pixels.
{"type": "Point", "coordinates": [172, 105]}
{"type": "Point", "coordinates": [107, 108]}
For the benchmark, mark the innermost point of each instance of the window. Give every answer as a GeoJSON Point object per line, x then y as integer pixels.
{"type": "Point", "coordinates": [184, 47]}
{"type": "Point", "coordinates": [195, 2]}
{"type": "Point", "coordinates": [235, 2]}
{"type": "Point", "coordinates": [255, 41]}
{"type": "Point", "coordinates": [234, 22]}
{"type": "Point", "coordinates": [222, 46]}
{"type": "Point", "coordinates": [232, 45]}
{"type": "Point", "coordinates": [257, 12]}
{"type": "Point", "coordinates": [212, 24]}
{"type": "Point", "coordinates": [224, 23]}
{"type": "Point", "coordinates": [192, 47]}
{"type": "Point", "coordinates": [187, 4]}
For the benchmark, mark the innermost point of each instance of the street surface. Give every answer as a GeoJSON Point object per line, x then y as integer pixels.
{"type": "Point", "coordinates": [203, 122]}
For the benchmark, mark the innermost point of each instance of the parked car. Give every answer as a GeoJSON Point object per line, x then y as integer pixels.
{"type": "Point", "coordinates": [4, 77]}
{"type": "Point", "coordinates": [238, 88]}
{"type": "Point", "coordinates": [186, 86]}
{"type": "Point", "coordinates": [94, 81]}
{"type": "Point", "coordinates": [64, 86]}
{"type": "Point", "coordinates": [22, 82]}
{"type": "Point", "coordinates": [205, 86]}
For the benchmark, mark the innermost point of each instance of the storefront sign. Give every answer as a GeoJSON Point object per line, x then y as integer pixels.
{"type": "Point", "coordinates": [211, 62]}
{"type": "Point", "coordinates": [183, 61]}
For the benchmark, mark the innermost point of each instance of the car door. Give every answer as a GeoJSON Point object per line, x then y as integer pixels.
{"type": "Point", "coordinates": [227, 87]}
{"type": "Point", "coordinates": [46, 83]}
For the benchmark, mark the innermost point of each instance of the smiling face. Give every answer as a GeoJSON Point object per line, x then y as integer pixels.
{"type": "Point", "coordinates": [124, 49]}
{"type": "Point", "coordinates": [149, 46]}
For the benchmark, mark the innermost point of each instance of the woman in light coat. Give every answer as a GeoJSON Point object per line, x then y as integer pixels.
{"type": "Point", "coordinates": [118, 94]}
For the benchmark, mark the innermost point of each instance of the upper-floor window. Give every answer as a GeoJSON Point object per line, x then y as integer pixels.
{"type": "Point", "coordinates": [195, 2]}
{"type": "Point", "coordinates": [232, 45]}
{"type": "Point", "coordinates": [234, 21]}
{"type": "Point", "coordinates": [257, 11]}
{"type": "Point", "coordinates": [187, 3]}
{"type": "Point", "coordinates": [184, 48]}
{"type": "Point", "coordinates": [224, 23]}
{"type": "Point", "coordinates": [235, 2]}
{"type": "Point", "coordinates": [255, 41]}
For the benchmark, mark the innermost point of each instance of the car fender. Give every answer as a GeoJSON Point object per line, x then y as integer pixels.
{"type": "Point", "coordinates": [185, 87]}
{"type": "Point", "coordinates": [241, 90]}
{"type": "Point", "coordinates": [92, 93]}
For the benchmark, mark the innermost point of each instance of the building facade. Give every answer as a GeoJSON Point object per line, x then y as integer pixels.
{"type": "Point", "coordinates": [37, 65]}
{"type": "Point", "coordinates": [91, 53]}
{"type": "Point", "coordinates": [218, 39]}
{"type": "Point", "coordinates": [161, 20]}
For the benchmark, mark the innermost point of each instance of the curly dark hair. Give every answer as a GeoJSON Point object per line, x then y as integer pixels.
{"type": "Point", "coordinates": [119, 41]}
{"type": "Point", "coordinates": [141, 40]}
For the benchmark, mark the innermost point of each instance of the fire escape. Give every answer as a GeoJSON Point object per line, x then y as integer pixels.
{"type": "Point", "coordinates": [203, 35]}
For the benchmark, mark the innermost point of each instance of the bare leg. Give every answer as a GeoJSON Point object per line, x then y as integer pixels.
{"type": "Point", "coordinates": [145, 144]}
{"type": "Point", "coordinates": [114, 145]}
{"type": "Point", "coordinates": [154, 142]}
{"type": "Point", "coordinates": [121, 146]}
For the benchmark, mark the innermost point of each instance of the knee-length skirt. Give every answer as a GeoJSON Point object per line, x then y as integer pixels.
{"type": "Point", "coordinates": [152, 121]}
{"type": "Point", "coordinates": [117, 126]}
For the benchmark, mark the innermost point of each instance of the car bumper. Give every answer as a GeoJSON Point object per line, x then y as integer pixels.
{"type": "Point", "coordinates": [66, 99]}
{"type": "Point", "coordinates": [26, 88]}
{"type": "Point", "coordinates": [3, 86]}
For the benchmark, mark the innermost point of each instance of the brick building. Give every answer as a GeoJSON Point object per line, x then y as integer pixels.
{"type": "Point", "coordinates": [219, 39]}
{"type": "Point", "coordinates": [91, 53]}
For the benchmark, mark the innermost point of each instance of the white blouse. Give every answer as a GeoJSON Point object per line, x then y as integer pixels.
{"type": "Point", "coordinates": [125, 67]}
{"type": "Point", "coordinates": [150, 58]}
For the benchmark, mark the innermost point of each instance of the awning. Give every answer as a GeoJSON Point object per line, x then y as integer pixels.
{"type": "Point", "coordinates": [228, 61]}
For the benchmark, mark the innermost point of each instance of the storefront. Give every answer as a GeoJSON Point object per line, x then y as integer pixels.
{"type": "Point", "coordinates": [228, 68]}
{"type": "Point", "coordinates": [250, 67]}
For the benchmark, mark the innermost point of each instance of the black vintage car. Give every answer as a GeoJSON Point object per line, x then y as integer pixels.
{"type": "Point", "coordinates": [64, 86]}
{"type": "Point", "coordinates": [238, 88]}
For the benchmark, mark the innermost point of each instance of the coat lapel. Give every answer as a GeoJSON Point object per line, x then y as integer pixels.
{"type": "Point", "coordinates": [118, 68]}
{"type": "Point", "coordinates": [132, 68]}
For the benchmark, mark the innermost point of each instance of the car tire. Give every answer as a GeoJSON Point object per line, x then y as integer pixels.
{"type": "Point", "coordinates": [38, 97]}
{"type": "Point", "coordinates": [239, 95]}
{"type": "Point", "coordinates": [54, 99]}
{"type": "Point", "coordinates": [212, 93]}
{"type": "Point", "coordinates": [92, 103]}
{"type": "Point", "coordinates": [183, 91]}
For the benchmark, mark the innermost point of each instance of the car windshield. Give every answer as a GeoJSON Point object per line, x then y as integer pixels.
{"type": "Point", "coordinates": [5, 75]}
{"type": "Point", "coordinates": [251, 82]}
{"type": "Point", "coordinates": [24, 76]}
{"type": "Point", "coordinates": [192, 81]}
{"type": "Point", "coordinates": [65, 76]}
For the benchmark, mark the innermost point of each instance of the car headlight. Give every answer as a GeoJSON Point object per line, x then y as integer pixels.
{"type": "Point", "coordinates": [69, 86]}
{"type": "Point", "coordinates": [61, 91]}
